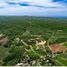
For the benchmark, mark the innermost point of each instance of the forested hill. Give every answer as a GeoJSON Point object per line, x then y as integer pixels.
{"type": "Point", "coordinates": [30, 18]}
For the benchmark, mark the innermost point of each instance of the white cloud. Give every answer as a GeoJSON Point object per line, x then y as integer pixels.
{"type": "Point", "coordinates": [60, 9]}
{"type": "Point", "coordinates": [47, 3]}
{"type": "Point", "coordinates": [3, 4]}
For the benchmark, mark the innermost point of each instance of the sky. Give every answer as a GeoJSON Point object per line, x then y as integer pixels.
{"type": "Point", "coordinates": [47, 8]}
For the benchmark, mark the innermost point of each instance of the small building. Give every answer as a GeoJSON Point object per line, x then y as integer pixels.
{"type": "Point", "coordinates": [19, 64]}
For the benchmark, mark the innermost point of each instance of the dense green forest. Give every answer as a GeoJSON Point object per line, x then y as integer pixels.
{"type": "Point", "coordinates": [28, 41]}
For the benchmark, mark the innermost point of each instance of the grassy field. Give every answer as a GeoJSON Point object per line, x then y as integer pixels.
{"type": "Point", "coordinates": [61, 59]}
{"type": "Point", "coordinates": [3, 52]}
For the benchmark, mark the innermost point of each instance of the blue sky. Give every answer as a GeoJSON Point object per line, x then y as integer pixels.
{"type": "Point", "coordinates": [47, 8]}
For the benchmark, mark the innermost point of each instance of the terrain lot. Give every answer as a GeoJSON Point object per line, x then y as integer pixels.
{"type": "Point", "coordinates": [16, 26]}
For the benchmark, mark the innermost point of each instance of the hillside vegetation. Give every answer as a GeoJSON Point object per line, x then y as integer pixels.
{"type": "Point", "coordinates": [33, 41]}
